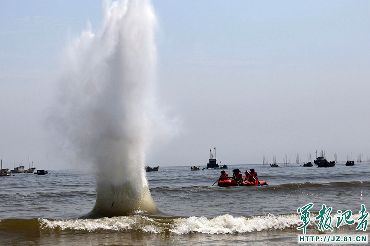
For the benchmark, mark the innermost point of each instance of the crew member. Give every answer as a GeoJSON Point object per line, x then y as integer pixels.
{"type": "Point", "coordinates": [223, 176]}
{"type": "Point", "coordinates": [251, 176]}
{"type": "Point", "coordinates": [253, 173]}
{"type": "Point", "coordinates": [237, 176]}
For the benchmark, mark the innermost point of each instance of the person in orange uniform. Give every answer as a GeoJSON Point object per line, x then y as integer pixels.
{"type": "Point", "coordinates": [237, 176]}
{"type": "Point", "coordinates": [251, 176]}
{"type": "Point", "coordinates": [223, 176]}
{"type": "Point", "coordinates": [253, 173]}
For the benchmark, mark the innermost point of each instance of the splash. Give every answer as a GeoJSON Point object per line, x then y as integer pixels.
{"type": "Point", "coordinates": [107, 105]}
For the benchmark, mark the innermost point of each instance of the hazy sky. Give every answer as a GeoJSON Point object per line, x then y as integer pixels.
{"type": "Point", "coordinates": [252, 78]}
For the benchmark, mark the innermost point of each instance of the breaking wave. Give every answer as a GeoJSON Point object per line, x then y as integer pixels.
{"type": "Point", "coordinates": [223, 224]}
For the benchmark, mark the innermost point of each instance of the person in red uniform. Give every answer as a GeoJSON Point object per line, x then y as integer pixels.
{"type": "Point", "coordinates": [237, 176]}
{"type": "Point", "coordinates": [223, 176]}
{"type": "Point", "coordinates": [251, 176]}
{"type": "Point", "coordinates": [253, 173]}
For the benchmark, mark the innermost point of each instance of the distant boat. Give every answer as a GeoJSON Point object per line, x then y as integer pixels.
{"type": "Point", "coordinates": [212, 162]}
{"type": "Point", "coordinates": [274, 164]}
{"type": "Point", "coordinates": [350, 163]}
{"type": "Point", "coordinates": [308, 164]}
{"type": "Point", "coordinates": [151, 169]}
{"type": "Point", "coordinates": [194, 168]}
{"type": "Point", "coordinates": [30, 170]}
{"type": "Point", "coordinates": [5, 171]}
{"type": "Point", "coordinates": [41, 172]}
{"type": "Point", "coordinates": [322, 162]}
{"type": "Point", "coordinates": [19, 169]}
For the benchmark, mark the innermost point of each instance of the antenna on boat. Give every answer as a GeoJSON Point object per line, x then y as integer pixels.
{"type": "Point", "coordinates": [215, 152]}
{"type": "Point", "coordinates": [359, 159]}
{"type": "Point", "coordinates": [322, 153]}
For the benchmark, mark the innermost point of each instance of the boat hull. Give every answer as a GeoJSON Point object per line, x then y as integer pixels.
{"type": "Point", "coordinates": [231, 182]}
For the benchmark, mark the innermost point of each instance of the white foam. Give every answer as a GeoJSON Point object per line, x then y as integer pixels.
{"type": "Point", "coordinates": [227, 224]}
{"type": "Point", "coordinates": [114, 224]}
{"type": "Point", "coordinates": [224, 224]}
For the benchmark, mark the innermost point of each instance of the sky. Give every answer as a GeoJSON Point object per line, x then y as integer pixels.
{"type": "Point", "coordinates": [253, 78]}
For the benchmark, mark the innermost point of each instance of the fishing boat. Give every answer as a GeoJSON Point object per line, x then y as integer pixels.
{"type": "Point", "coordinates": [212, 161]}
{"type": "Point", "coordinates": [5, 171]}
{"type": "Point", "coordinates": [194, 168]}
{"type": "Point", "coordinates": [308, 164]}
{"type": "Point", "coordinates": [322, 162]}
{"type": "Point", "coordinates": [41, 172]}
{"type": "Point", "coordinates": [151, 169]}
{"type": "Point", "coordinates": [19, 169]}
{"type": "Point", "coordinates": [274, 164]}
{"type": "Point", "coordinates": [30, 170]}
{"type": "Point", "coordinates": [350, 163]}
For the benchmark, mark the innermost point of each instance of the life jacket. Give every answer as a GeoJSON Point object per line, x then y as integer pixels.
{"type": "Point", "coordinates": [238, 177]}
{"type": "Point", "coordinates": [254, 174]}
{"type": "Point", "coordinates": [249, 178]}
{"type": "Point", "coordinates": [224, 177]}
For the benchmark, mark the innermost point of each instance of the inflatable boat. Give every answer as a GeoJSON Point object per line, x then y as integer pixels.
{"type": "Point", "coordinates": [231, 182]}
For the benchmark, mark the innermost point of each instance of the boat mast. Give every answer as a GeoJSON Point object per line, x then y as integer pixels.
{"type": "Point", "coordinates": [215, 152]}
{"type": "Point", "coordinates": [359, 158]}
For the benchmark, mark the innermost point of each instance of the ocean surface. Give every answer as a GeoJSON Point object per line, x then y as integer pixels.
{"type": "Point", "coordinates": [46, 210]}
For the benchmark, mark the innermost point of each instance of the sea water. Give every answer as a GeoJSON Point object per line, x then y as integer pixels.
{"type": "Point", "coordinates": [48, 209]}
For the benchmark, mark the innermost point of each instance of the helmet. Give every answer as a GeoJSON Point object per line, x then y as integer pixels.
{"type": "Point", "coordinates": [236, 170]}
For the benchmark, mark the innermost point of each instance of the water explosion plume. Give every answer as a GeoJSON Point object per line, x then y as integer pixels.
{"type": "Point", "coordinates": [108, 106]}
